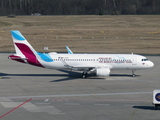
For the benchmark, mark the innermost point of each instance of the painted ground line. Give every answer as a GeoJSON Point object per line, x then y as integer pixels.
{"type": "Point", "coordinates": [15, 108]}
{"type": "Point", "coordinates": [76, 95]}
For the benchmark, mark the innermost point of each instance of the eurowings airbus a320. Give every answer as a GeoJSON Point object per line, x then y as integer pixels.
{"type": "Point", "coordinates": [101, 64]}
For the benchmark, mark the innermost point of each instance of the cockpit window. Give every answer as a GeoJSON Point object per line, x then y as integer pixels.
{"type": "Point", "coordinates": [145, 60]}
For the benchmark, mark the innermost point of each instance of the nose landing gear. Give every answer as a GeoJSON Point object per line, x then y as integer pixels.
{"type": "Point", "coordinates": [133, 75]}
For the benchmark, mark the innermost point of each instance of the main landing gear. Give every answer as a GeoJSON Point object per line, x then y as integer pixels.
{"type": "Point", "coordinates": [133, 75]}
{"type": "Point", "coordinates": [84, 75]}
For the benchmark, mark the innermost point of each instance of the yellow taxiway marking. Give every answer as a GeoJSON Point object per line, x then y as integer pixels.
{"type": "Point", "coordinates": [154, 32]}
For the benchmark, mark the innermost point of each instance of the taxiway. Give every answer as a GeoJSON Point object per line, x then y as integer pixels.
{"type": "Point", "coordinates": [28, 92]}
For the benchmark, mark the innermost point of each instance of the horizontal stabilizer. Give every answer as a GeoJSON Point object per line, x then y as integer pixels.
{"type": "Point", "coordinates": [14, 57]}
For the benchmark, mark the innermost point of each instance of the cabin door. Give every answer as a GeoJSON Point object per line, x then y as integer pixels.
{"type": "Point", "coordinates": [134, 60]}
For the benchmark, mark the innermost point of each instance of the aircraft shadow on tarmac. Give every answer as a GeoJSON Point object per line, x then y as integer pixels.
{"type": "Point", "coordinates": [71, 75]}
{"type": "Point", "coordinates": [144, 107]}
{"type": "Point", "coordinates": [122, 75]}
{"type": "Point", "coordinates": [76, 75]}
{"type": "Point", "coordinates": [5, 74]}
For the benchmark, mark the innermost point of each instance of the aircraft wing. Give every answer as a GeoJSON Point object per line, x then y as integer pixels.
{"type": "Point", "coordinates": [90, 67]}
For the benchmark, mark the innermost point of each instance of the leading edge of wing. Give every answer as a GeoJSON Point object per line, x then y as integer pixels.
{"type": "Point", "coordinates": [92, 66]}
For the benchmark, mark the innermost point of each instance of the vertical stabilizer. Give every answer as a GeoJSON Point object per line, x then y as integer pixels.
{"type": "Point", "coordinates": [22, 47]}
{"type": "Point", "coordinates": [24, 51]}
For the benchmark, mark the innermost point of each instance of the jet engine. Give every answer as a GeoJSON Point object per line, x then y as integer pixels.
{"type": "Point", "coordinates": [104, 72]}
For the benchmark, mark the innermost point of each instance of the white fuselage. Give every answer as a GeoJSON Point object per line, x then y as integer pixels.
{"type": "Point", "coordinates": [82, 61]}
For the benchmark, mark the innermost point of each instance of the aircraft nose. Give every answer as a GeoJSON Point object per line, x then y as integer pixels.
{"type": "Point", "coordinates": [151, 64]}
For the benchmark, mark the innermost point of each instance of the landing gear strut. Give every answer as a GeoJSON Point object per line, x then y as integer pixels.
{"type": "Point", "coordinates": [84, 75]}
{"type": "Point", "coordinates": [133, 75]}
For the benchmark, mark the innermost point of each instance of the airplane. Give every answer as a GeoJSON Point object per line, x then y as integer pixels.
{"type": "Point", "coordinates": [101, 64]}
{"type": "Point", "coordinates": [69, 50]}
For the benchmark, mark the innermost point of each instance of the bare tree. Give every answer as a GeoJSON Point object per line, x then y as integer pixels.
{"type": "Point", "coordinates": [115, 6]}
{"type": "Point", "coordinates": [79, 7]}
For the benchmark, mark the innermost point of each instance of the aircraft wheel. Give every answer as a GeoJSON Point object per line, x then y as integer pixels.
{"type": "Point", "coordinates": [133, 75]}
{"type": "Point", "coordinates": [84, 75]}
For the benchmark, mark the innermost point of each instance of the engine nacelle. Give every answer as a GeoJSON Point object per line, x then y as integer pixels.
{"type": "Point", "coordinates": [104, 72]}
